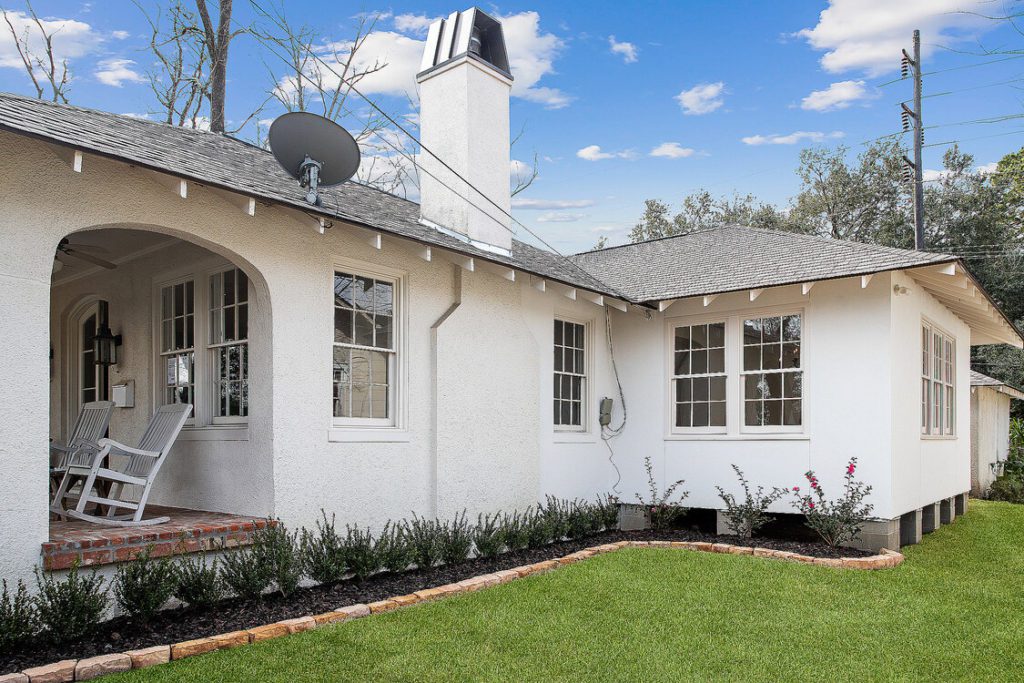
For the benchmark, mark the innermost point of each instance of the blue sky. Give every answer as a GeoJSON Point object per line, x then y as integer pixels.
{"type": "Point", "coordinates": [627, 101]}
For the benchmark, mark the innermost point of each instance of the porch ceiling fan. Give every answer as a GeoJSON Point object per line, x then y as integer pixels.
{"type": "Point", "coordinates": [82, 252]}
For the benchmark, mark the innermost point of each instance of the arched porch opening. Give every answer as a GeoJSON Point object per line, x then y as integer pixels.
{"type": "Point", "coordinates": [193, 325]}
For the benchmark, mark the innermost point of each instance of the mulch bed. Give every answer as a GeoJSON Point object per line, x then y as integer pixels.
{"type": "Point", "coordinates": [177, 625]}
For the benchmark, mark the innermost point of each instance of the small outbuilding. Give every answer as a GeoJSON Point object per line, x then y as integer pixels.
{"type": "Point", "coordinates": [990, 429]}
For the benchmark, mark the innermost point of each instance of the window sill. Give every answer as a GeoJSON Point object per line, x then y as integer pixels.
{"type": "Point", "coordinates": [367, 435]}
{"type": "Point", "coordinates": [939, 437]}
{"type": "Point", "coordinates": [573, 437]}
{"type": "Point", "coordinates": [739, 437]}
{"type": "Point", "coordinates": [236, 432]}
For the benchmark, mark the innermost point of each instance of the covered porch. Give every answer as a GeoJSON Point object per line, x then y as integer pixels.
{"type": "Point", "coordinates": [191, 327]}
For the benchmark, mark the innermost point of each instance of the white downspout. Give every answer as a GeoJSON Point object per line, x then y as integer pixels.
{"type": "Point", "coordinates": [456, 302]}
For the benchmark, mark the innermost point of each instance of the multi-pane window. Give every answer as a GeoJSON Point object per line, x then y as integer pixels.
{"type": "Point", "coordinates": [570, 378]}
{"type": "Point", "coordinates": [229, 343]}
{"type": "Point", "coordinates": [177, 342]}
{"type": "Point", "coordinates": [699, 375]}
{"type": "Point", "coordinates": [89, 384]}
{"type": "Point", "coordinates": [364, 347]}
{"type": "Point", "coordinates": [938, 384]}
{"type": "Point", "coordinates": [772, 375]}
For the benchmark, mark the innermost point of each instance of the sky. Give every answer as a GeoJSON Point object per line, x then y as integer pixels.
{"type": "Point", "coordinates": [622, 102]}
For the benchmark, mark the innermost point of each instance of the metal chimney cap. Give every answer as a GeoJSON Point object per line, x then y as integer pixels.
{"type": "Point", "coordinates": [471, 32]}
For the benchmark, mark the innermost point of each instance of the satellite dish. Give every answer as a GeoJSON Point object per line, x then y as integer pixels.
{"type": "Point", "coordinates": [315, 151]}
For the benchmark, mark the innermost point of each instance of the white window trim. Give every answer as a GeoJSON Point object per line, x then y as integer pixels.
{"type": "Point", "coordinates": [735, 430]}
{"type": "Point", "coordinates": [371, 430]}
{"type": "Point", "coordinates": [947, 336]}
{"type": "Point", "coordinates": [671, 370]}
{"type": "Point", "coordinates": [564, 433]}
{"type": "Point", "coordinates": [201, 425]}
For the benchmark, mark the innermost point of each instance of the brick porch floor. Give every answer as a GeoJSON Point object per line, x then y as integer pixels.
{"type": "Point", "coordinates": [188, 531]}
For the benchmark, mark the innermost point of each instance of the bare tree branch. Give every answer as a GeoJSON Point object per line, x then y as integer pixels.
{"type": "Point", "coordinates": [54, 71]}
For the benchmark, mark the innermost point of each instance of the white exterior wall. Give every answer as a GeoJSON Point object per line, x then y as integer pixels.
{"type": "Point", "coordinates": [846, 397]}
{"type": "Point", "coordinates": [925, 469]}
{"type": "Point", "coordinates": [990, 435]}
{"type": "Point", "coordinates": [475, 405]}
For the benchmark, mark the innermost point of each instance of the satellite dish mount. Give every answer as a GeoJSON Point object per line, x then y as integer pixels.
{"type": "Point", "coordinates": [309, 177]}
{"type": "Point", "coordinates": [315, 151]}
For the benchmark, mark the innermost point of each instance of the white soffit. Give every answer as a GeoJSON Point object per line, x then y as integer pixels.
{"type": "Point", "coordinates": [957, 290]}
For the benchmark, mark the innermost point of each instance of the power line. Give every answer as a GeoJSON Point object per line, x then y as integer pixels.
{"type": "Point", "coordinates": [952, 68]}
{"type": "Point", "coordinates": [418, 166]}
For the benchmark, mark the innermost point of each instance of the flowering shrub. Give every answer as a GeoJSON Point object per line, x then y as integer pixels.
{"type": "Point", "coordinates": [837, 521]}
{"type": "Point", "coordinates": [745, 517]}
{"type": "Point", "coordinates": [663, 510]}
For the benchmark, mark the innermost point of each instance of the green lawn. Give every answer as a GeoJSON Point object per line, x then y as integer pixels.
{"type": "Point", "coordinates": [953, 611]}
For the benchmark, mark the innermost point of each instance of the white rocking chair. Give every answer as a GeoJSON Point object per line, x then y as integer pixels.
{"type": "Point", "coordinates": [141, 469]}
{"type": "Point", "coordinates": [89, 428]}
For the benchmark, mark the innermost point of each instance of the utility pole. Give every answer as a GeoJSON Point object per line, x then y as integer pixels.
{"type": "Point", "coordinates": [912, 120]}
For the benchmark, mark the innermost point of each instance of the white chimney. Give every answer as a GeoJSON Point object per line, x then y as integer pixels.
{"type": "Point", "coordinates": [464, 119]}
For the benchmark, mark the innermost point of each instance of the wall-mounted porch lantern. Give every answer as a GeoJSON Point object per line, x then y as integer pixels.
{"type": "Point", "coordinates": [105, 343]}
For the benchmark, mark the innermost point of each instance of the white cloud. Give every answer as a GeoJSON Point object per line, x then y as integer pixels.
{"type": "Point", "coordinates": [531, 56]}
{"type": "Point", "coordinates": [672, 150]}
{"type": "Point", "coordinates": [414, 23]}
{"type": "Point", "coordinates": [929, 175]}
{"type": "Point", "coordinates": [117, 72]}
{"type": "Point", "coordinates": [869, 34]}
{"type": "Point", "coordinates": [703, 98]}
{"type": "Point", "coordinates": [594, 153]}
{"type": "Point", "coordinates": [628, 51]}
{"type": "Point", "coordinates": [71, 38]}
{"type": "Point", "coordinates": [792, 138]}
{"type": "Point", "coordinates": [119, 35]}
{"type": "Point", "coordinates": [988, 168]}
{"type": "Point", "coordinates": [547, 204]}
{"type": "Point", "coordinates": [837, 96]}
{"type": "Point", "coordinates": [559, 217]}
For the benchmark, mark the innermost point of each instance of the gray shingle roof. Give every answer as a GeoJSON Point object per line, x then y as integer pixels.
{"type": "Point", "coordinates": [980, 380]}
{"type": "Point", "coordinates": [733, 257]}
{"type": "Point", "coordinates": [225, 162]}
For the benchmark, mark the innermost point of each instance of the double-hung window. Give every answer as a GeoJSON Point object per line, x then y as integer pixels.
{"type": "Point", "coordinates": [364, 349]}
{"type": "Point", "coordinates": [229, 344]}
{"type": "Point", "coordinates": [698, 376]}
{"type": "Point", "coordinates": [772, 374]}
{"type": "Point", "coordinates": [938, 383]}
{"type": "Point", "coordinates": [177, 342]}
{"type": "Point", "coordinates": [570, 375]}
{"type": "Point", "coordinates": [204, 356]}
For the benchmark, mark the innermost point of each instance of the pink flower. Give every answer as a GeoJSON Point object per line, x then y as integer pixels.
{"type": "Point", "coordinates": [810, 504]}
{"type": "Point", "coordinates": [851, 468]}
{"type": "Point", "coordinates": [796, 489]}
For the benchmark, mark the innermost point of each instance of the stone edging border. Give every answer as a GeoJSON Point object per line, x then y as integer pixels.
{"type": "Point", "coordinates": [94, 667]}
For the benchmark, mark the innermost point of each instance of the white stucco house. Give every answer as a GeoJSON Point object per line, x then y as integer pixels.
{"type": "Point", "coordinates": [990, 429]}
{"type": "Point", "coordinates": [372, 356]}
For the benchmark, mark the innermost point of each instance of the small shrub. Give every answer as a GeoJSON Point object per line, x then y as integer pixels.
{"type": "Point", "coordinates": [539, 529]}
{"type": "Point", "coordinates": [456, 540]}
{"type": "Point", "coordinates": [70, 609]}
{"type": "Point", "coordinates": [360, 554]}
{"type": "Point", "coordinates": [744, 518]}
{"type": "Point", "coordinates": [280, 553]}
{"type": "Point", "coordinates": [607, 512]}
{"type": "Point", "coordinates": [197, 584]}
{"type": "Point", "coordinates": [838, 521]}
{"type": "Point", "coordinates": [663, 510]}
{"type": "Point", "coordinates": [1007, 488]}
{"type": "Point", "coordinates": [19, 621]}
{"type": "Point", "coordinates": [557, 513]}
{"type": "Point", "coordinates": [516, 530]}
{"type": "Point", "coordinates": [488, 535]}
{"type": "Point", "coordinates": [425, 538]}
{"type": "Point", "coordinates": [323, 552]}
{"type": "Point", "coordinates": [579, 520]}
{"type": "Point", "coordinates": [394, 548]}
{"type": "Point", "coordinates": [143, 585]}
{"type": "Point", "coordinates": [246, 572]}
